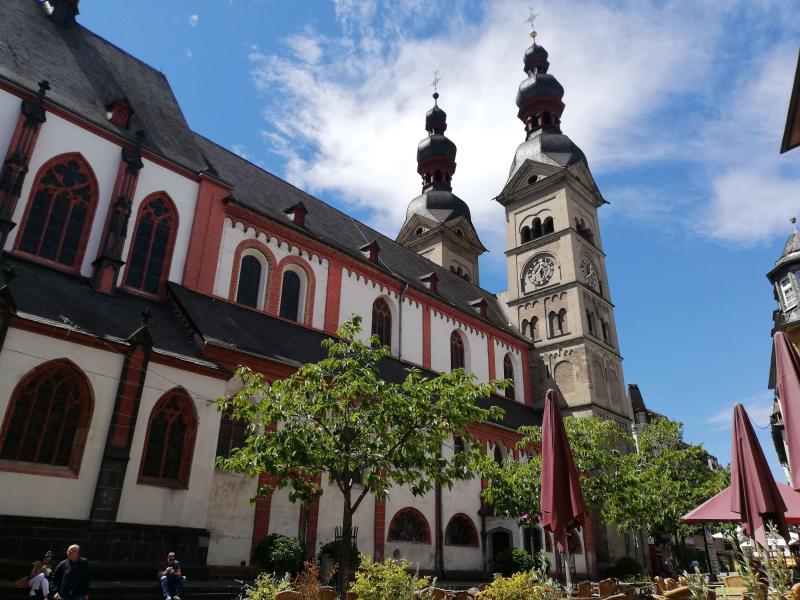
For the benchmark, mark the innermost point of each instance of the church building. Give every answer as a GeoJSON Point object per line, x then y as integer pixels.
{"type": "Point", "coordinates": [142, 263]}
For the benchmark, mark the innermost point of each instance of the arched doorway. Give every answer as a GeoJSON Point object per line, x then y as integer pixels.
{"type": "Point", "coordinates": [500, 541]}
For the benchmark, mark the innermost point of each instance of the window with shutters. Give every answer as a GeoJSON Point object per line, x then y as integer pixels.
{"type": "Point", "coordinates": [382, 322]}
{"type": "Point", "coordinates": [788, 292]}
{"type": "Point", "coordinates": [152, 243]}
{"type": "Point", "coordinates": [48, 417]}
{"type": "Point", "coordinates": [169, 443]}
{"type": "Point", "coordinates": [59, 213]}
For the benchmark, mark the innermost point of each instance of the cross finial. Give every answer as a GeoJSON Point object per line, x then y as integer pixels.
{"type": "Point", "coordinates": [436, 80]}
{"type": "Point", "coordinates": [532, 19]}
{"type": "Point", "coordinates": [793, 221]}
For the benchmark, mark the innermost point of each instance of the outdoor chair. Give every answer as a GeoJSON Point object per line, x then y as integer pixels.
{"type": "Point", "coordinates": [607, 587]}
{"type": "Point", "coordinates": [678, 593]}
{"type": "Point", "coordinates": [734, 581]}
{"type": "Point", "coordinates": [670, 583]}
{"type": "Point", "coordinates": [288, 595]}
{"type": "Point", "coordinates": [461, 595]}
{"type": "Point", "coordinates": [660, 586]}
{"type": "Point", "coordinates": [584, 589]}
{"type": "Point", "coordinates": [326, 593]}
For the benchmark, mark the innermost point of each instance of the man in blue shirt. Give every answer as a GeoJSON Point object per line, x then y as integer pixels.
{"type": "Point", "coordinates": [172, 580]}
{"type": "Point", "coordinates": [71, 577]}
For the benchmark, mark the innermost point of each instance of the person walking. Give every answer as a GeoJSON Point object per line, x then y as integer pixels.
{"type": "Point", "coordinates": [71, 577]}
{"type": "Point", "coordinates": [171, 578]}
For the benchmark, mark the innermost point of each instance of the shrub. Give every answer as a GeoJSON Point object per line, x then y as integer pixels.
{"type": "Point", "coordinates": [389, 580]}
{"type": "Point", "coordinates": [509, 562]}
{"type": "Point", "coordinates": [265, 588]}
{"type": "Point", "coordinates": [521, 586]}
{"type": "Point", "coordinates": [627, 566]}
{"type": "Point", "coordinates": [278, 554]}
{"type": "Point", "coordinates": [307, 583]}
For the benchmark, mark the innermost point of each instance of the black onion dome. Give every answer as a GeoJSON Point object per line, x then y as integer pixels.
{"type": "Point", "coordinates": [436, 145]}
{"type": "Point", "coordinates": [536, 59]}
{"type": "Point", "coordinates": [439, 205]}
{"type": "Point", "coordinates": [548, 147]}
{"type": "Point", "coordinates": [436, 118]}
{"type": "Point", "coordinates": [538, 85]}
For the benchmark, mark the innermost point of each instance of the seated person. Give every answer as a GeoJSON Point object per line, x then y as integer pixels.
{"type": "Point", "coordinates": [169, 573]}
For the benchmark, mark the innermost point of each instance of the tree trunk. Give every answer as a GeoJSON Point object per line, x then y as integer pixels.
{"type": "Point", "coordinates": [347, 546]}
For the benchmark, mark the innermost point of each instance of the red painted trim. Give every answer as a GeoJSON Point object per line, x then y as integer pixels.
{"type": "Point", "coordinates": [426, 336]}
{"type": "Point", "coordinates": [88, 220]}
{"type": "Point", "coordinates": [277, 288]}
{"type": "Point", "coordinates": [419, 517]}
{"type": "Point", "coordinates": [486, 432]}
{"type": "Point", "coordinates": [379, 532]}
{"type": "Point", "coordinates": [173, 232]}
{"type": "Point", "coordinates": [190, 415]}
{"type": "Point", "coordinates": [590, 544]}
{"type": "Point", "coordinates": [272, 267]}
{"type": "Point", "coordinates": [490, 347]}
{"type": "Point", "coordinates": [81, 432]}
{"type": "Point", "coordinates": [333, 295]}
{"type": "Point", "coordinates": [263, 508]}
{"type": "Point", "coordinates": [124, 418]}
{"type": "Point", "coordinates": [206, 238]}
{"type": "Point", "coordinates": [312, 521]}
{"type": "Point", "coordinates": [231, 359]}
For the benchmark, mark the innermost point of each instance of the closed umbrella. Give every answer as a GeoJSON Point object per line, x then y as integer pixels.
{"type": "Point", "coordinates": [787, 364]}
{"type": "Point", "coordinates": [754, 494]}
{"type": "Point", "coordinates": [562, 504]}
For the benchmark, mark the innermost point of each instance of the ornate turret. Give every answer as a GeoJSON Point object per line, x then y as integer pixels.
{"type": "Point", "coordinates": [539, 100]}
{"type": "Point", "coordinates": [784, 276]}
{"type": "Point", "coordinates": [437, 211]}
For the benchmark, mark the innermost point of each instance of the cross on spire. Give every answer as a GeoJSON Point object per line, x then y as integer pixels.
{"type": "Point", "coordinates": [436, 80]}
{"type": "Point", "coordinates": [532, 20]}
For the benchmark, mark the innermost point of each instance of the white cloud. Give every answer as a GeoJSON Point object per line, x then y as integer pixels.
{"type": "Point", "coordinates": [193, 20]}
{"type": "Point", "coordinates": [305, 47]}
{"type": "Point", "coordinates": [189, 53]}
{"type": "Point", "coordinates": [758, 406]}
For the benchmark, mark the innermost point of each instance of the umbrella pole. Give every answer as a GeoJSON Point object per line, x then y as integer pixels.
{"type": "Point", "coordinates": [568, 573]}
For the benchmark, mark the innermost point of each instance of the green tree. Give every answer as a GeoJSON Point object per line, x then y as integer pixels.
{"type": "Point", "coordinates": [339, 418]}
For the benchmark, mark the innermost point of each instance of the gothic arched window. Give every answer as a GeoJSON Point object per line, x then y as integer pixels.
{"type": "Point", "coordinates": [460, 531]}
{"type": "Point", "coordinates": [169, 443]}
{"type": "Point", "coordinates": [382, 322]}
{"type": "Point", "coordinates": [508, 373]}
{"type": "Point", "coordinates": [552, 321]}
{"type": "Point", "coordinates": [151, 246]}
{"type": "Point", "coordinates": [409, 525]}
{"type": "Point", "coordinates": [456, 351]}
{"type": "Point", "coordinates": [536, 228]}
{"type": "Point", "coordinates": [525, 234]}
{"type": "Point", "coordinates": [290, 296]}
{"type": "Point", "coordinates": [548, 226]}
{"type": "Point", "coordinates": [524, 327]}
{"type": "Point", "coordinates": [232, 434]}
{"type": "Point", "coordinates": [48, 417]}
{"type": "Point", "coordinates": [498, 455]}
{"type": "Point", "coordinates": [59, 213]}
{"type": "Point", "coordinates": [247, 291]}
{"type": "Point", "coordinates": [562, 321]}
{"type": "Point", "coordinates": [535, 328]}
{"type": "Point", "coordinates": [590, 320]}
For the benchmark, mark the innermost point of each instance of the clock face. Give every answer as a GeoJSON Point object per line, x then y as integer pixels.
{"type": "Point", "coordinates": [540, 270]}
{"type": "Point", "coordinates": [589, 274]}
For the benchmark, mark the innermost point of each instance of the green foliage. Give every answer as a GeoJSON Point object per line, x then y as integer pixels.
{"type": "Point", "coordinates": [509, 562]}
{"type": "Point", "coordinates": [334, 550]}
{"type": "Point", "coordinates": [337, 417]}
{"type": "Point", "coordinates": [779, 575]}
{"type": "Point", "coordinates": [697, 584]}
{"type": "Point", "coordinates": [265, 588]}
{"type": "Point", "coordinates": [278, 554]}
{"type": "Point", "coordinates": [530, 585]}
{"type": "Point", "coordinates": [388, 580]}
{"type": "Point", "coordinates": [627, 566]}
{"type": "Point", "coordinates": [751, 573]}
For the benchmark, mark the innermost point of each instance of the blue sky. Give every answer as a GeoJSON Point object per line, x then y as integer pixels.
{"type": "Point", "coordinates": [678, 106]}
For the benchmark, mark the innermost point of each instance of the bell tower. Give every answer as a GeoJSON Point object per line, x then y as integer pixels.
{"type": "Point", "coordinates": [558, 292]}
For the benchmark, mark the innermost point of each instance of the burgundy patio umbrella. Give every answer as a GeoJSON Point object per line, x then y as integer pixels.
{"type": "Point", "coordinates": [787, 385]}
{"type": "Point", "coordinates": [718, 508]}
{"type": "Point", "coordinates": [562, 499]}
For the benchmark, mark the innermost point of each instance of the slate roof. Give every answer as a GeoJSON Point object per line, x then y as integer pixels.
{"type": "Point", "coordinates": [222, 323]}
{"type": "Point", "coordinates": [269, 195]}
{"type": "Point", "coordinates": [86, 73]}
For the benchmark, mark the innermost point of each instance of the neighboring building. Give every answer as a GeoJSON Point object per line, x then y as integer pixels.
{"type": "Point", "coordinates": [143, 263]}
{"type": "Point", "coordinates": [791, 135]}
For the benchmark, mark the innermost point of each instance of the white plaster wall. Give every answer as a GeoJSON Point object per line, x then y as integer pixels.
{"type": "Point", "coordinates": [43, 496]}
{"type": "Point", "coordinates": [500, 351]}
{"type": "Point", "coordinates": [284, 516]}
{"type": "Point", "coordinates": [476, 351]}
{"type": "Point", "coordinates": [464, 497]}
{"type": "Point", "coordinates": [155, 505]}
{"type": "Point", "coordinates": [10, 106]}
{"type": "Point", "coordinates": [230, 518]}
{"type": "Point", "coordinates": [58, 136]}
{"type": "Point", "coordinates": [330, 516]}
{"type": "Point", "coordinates": [182, 191]}
{"type": "Point", "coordinates": [235, 233]}
{"type": "Point", "coordinates": [411, 335]}
{"type": "Point", "coordinates": [421, 554]}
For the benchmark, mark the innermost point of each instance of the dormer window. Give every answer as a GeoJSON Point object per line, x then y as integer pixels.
{"type": "Point", "coordinates": [480, 305]}
{"type": "Point", "coordinates": [119, 112]}
{"type": "Point", "coordinates": [297, 213]}
{"type": "Point", "coordinates": [371, 251]}
{"type": "Point", "coordinates": [788, 292]}
{"type": "Point", "coordinates": [431, 280]}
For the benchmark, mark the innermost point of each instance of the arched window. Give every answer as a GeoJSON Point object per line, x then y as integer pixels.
{"type": "Point", "coordinates": [508, 373]}
{"type": "Point", "coordinates": [606, 336]}
{"type": "Point", "coordinates": [458, 445]}
{"type": "Point", "coordinates": [552, 320]}
{"type": "Point", "coordinates": [525, 234]}
{"type": "Point", "coordinates": [59, 213]}
{"type": "Point", "coordinates": [562, 321]}
{"type": "Point", "coordinates": [536, 228]}
{"type": "Point", "coordinates": [590, 321]}
{"type": "Point", "coordinates": [382, 322]}
{"type": "Point", "coordinates": [151, 247]}
{"type": "Point", "coordinates": [247, 291]}
{"type": "Point", "coordinates": [535, 328]}
{"type": "Point", "coordinates": [409, 525]}
{"type": "Point", "coordinates": [290, 296]}
{"type": "Point", "coordinates": [232, 434]}
{"type": "Point", "coordinates": [456, 351]}
{"type": "Point", "coordinates": [498, 455]}
{"type": "Point", "coordinates": [460, 531]}
{"type": "Point", "coordinates": [532, 540]}
{"type": "Point", "coordinates": [524, 327]}
{"type": "Point", "coordinates": [548, 226]}
{"type": "Point", "coordinates": [48, 417]}
{"type": "Point", "coordinates": [169, 444]}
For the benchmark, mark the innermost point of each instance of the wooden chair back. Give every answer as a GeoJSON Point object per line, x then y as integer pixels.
{"type": "Point", "coordinates": [733, 581]}
{"type": "Point", "coordinates": [607, 587]}
{"type": "Point", "coordinates": [670, 583]}
{"type": "Point", "coordinates": [288, 595]}
{"type": "Point", "coordinates": [326, 593]}
{"type": "Point", "coordinates": [660, 586]}
{"type": "Point", "coordinates": [584, 588]}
